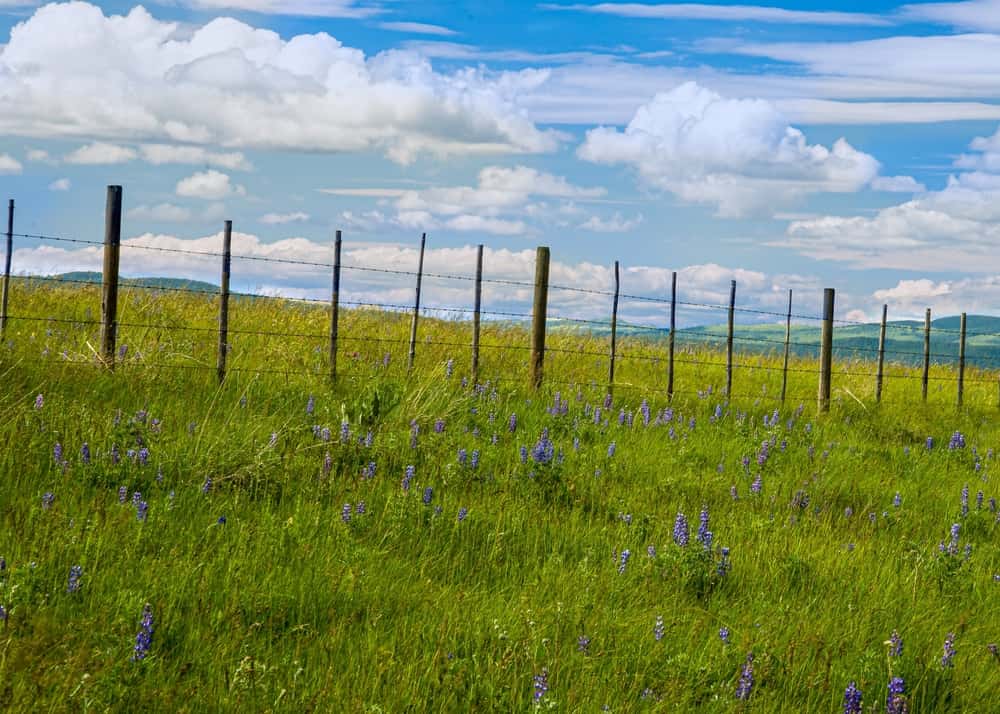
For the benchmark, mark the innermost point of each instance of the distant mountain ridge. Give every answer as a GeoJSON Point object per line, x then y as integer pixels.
{"type": "Point", "coordinates": [94, 277]}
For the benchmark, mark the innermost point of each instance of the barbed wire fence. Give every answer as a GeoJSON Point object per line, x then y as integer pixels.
{"type": "Point", "coordinates": [659, 347]}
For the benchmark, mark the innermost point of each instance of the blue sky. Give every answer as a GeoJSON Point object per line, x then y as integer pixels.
{"type": "Point", "coordinates": [799, 145]}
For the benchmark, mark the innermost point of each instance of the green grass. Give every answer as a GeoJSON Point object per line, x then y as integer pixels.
{"type": "Point", "coordinates": [285, 607]}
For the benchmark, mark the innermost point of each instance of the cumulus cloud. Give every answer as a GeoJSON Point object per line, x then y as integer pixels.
{"type": "Point", "coordinates": [280, 219]}
{"type": "Point", "coordinates": [100, 152]}
{"type": "Point", "coordinates": [39, 156]}
{"type": "Point", "coordinates": [63, 184]}
{"type": "Point", "coordinates": [614, 224]}
{"type": "Point", "coordinates": [979, 15]}
{"type": "Point", "coordinates": [209, 185]}
{"type": "Point", "coordinates": [158, 154]}
{"type": "Point", "coordinates": [910, 298]}
{"type": "Point", "coordinates": [898, 184]}
{"type": "Point", "coordinates": [172, 213]}
{"type": "Point", "coordinates": [71, 71]}
{"type": "Point", "coordinates": [10, 165]}
{"type": "Point", "coordinates": [739, 155]}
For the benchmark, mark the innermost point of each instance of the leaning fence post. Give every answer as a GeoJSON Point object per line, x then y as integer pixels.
{"type": "Point", "coordinates": [335, 307]}
{"type": "Point", "coordinates": [477, 304]}
{"type": "Point", "coordinates": [109, 282]}
{"type": "Point", "coordinates": [227, 240]}
{"type": "Point", "coordinates": [538, 310]}
{"type": "Point", "coordinates": [614, 333]}
{"type": "Point", "coordinates": [670, 339]}
{"type": "Point", "coordinates": [6, 265]}
{"type": "Point", "coordinates": [729, 342]}
{"type": "Point", "coordinates": [961, 358]}
{"type": "Point", "coordinates": [826, 350]}
{"type": "Point", "coordinates": [927, 351]}
{"type": "Point", "coordinates": [416, 305]}
{"type": "Point", "coordinates": [881, 355]}
{"type": "Point", "coordinates": [788, 342]}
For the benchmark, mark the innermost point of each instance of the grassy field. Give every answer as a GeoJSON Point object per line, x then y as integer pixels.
{"type": "Point", "coordinates": [399, 543]}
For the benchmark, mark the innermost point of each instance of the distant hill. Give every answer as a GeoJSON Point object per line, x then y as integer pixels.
{"type": "Point", "coordinates": [194, 285]}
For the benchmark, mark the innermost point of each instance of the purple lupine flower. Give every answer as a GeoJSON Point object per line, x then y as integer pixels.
{"type": "Point", "coordinates": [895, 645]}
{"type": "Point", "coordinates": [848, 512]}
{"type": "Point", "coordinates": [965, 500]}
{"type": "Point", "coordinates": [895, 702]}
{"type": "Point", "coordinates": [704, 535]}
{"type": "Point", "coordinates": [800, 499]}
{"type": "Point", "coordinates": [658, 629]}
{"type": "Point", "coordinates": [57, 453]}
{"type": "Point", "coordinates": [949, 651]}
{"type": "Point", "coordinates": [407, 477]}
{"type": "Point", "coordinates": [386, 358]}
{"type": "Point", "coordinates": [644, 411]}
{"type": "Point", "coordinates": [746, 462]}
{"type": "Point", "coordinates": [852, 699]}
{"type": "Point", "coordinates": [763, 453]}
{"type": "Point", "coordinates": [979, 500]}
{"type": "Point", "coordinates": [583, 644]}
{"type": "Point", "coordinates": [597, 415]}
{"type": "Point", "coordinates": [115, 454]}
{"type": "Point", "coordinates": [897, 500]}
{"type": "Point", "coordinates": [428, 495]}
{"type": "Point", "coordinates": [207, 486]}
{"type": "Point", "coordinates": [474, 461]}
{"type": "Point", "coordinates": [220, 521]}
{"type": "Point", "coordinates": [144, 638]}
{"type": "Point", "coordinates": [624, 561]}
{"type": "Point", "coordinates": [723, 567]}
{"type": "Point", "coordinates": [345, 512]}
{"type": "Point", "coordinates": [122, 351]}
{"type": "Point", "coordinates": [757, 484]}
{"type": "Point", "coordinates": [345, 432]}
{"type": "Point", "coordinates": [141, 511]}
{"type": "Point", "coordinates": [327, 464]}
{"type": "Point", "coordinates": [322, 433]}
{"type": "Point", "coordinates": [544, 449]}
{"type": "Point", "coordinates": [75, 573]}
{"type": "Point", "coordinates": [733, 492]}
{"type": "Point", "coordinates": [607, 401]}
{"type": "Point", "coordinates": [48, 498]}
{"type": "Point", "coordinates": [85, 453]}
{"type": "Point", "coordinates": [993, 505]}
{"type": "Point", "coordinates": [541, 682]}
{"type": "Point", "coordinates": [681, 530]}
{"type": "Point", "coordinates": [449, 368]}
{"type": "Point", "coordinates": [143, 456]}
{"type": "Point", "coordinates": [369, 439]}
{"type": "Point", "coordinates": [651, 551]}
{"type": "Point", "coordinates": [462, 456]}
{"type": "Point", "coordinates": [957, 441]}
{"type": "Point", "coordinates": [524, 454]}
{"type": "Point", "coordinates": [3, 615]}
{"type": "Point", "coordinates": [611, 449]}
{"type": "Point", "coordinates": [462, 513]}
{"type": "Point", "coordinates": [122, 494]}
{"type": "Point", "coordinates": [39, 402]}
{"type": "Point", "coordinates": [512, 423]}
{"type": "Point", "coordinates": [745, 686]}
{"type": "Point", "coordinates": [360, 508]}
{"type": "Point", "coordinates": [724, 634]}
{"type": "Point", "coordinates": [414, 433]}
{"type": "Point", "coordinates": [439, 426]}
{"type": "Point", "coordinates": [310, 405]}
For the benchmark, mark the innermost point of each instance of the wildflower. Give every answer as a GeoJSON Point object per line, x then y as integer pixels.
{"type": "Point", "coordinates": [979, 500]}
{"type": "Point", "coordinates": [57, 453]}
{"type": "Point", "coordinates": [624, 561]}
{"type": "Point", "coordinates": [449, 368]}
{"type": "Point", "coordinates": [611, 449]}
{"type": "Point", "coordinates": [929, 443]}
{"type": "Point", "coordinates": [345, 432]}
{"type": "Point", "coordinates": [207, 486]}
{"type": "Point", "coordinates": [524, 454]}
{"type": "Point", "coordinates": [48, 498]}
{"type": "Point", "coordinates": [310, 405]}
{"type": "Point", "coordinates": [732, 491]}
{"type": "Point", "coordinates": [512, 423]}
{"type": "Point", "coordinates": [658, 629]}
{"type": "Point", "coordinates": [74, 579]}
{"type": "Point", "coordinates": [369, 439]}
{"type": "Point", "coordinates": [327, 464]}
{"type": "Point", "coordinates": [544, 450]}
{"type": "Point", "coordinates": [704, 535]}
{"type": "Point", "coordinates": [462, 513]}
{"type": "Point", "coordinates": [428, 495]}
{"type": "Point", "coordinates": [541, 682]}
{"type": "Point", "coordinates": [439, 426]}
{"type": "Point", "coordinates": [360, 508]}
{"type": "Point", "coordinates": [852, 699]}
{"type": "Point", "coordinates": [221, 520]}
{"type": "Point", "coordinates": [144, 638]}
{"type": "Point", "coordinates": [39, 402]}
{"type": "Point", "coordinates": [723, 567]}
{"type": "Point", "coordinates": [122, 351]}
{"type": "Point", "coordinates": [848, 512]}
{"type": "Point", "coordinates": [745, 685]}
{"type": "Point", "coordinates": [757, 484]}
{"type": "Point", "coordinates": [141, 511]}
{"type": "Point", "coordinates": [345, 513]}
{"type": "Point", "coordinates": [462, 456]}
{"type": "Point", "coordinates": [3, 615]}
{"type": "Point", "coordinates": [957, 441]}
{"type": "Point", "coordinates": [895, 645]}
{"type": "Point", "coordinates": [474, 462]}
{"type": "Point", "coordinates": [965, 500]}
{"type": "Point", "coordinates": [681, 530]}
{"type": "Point", "coordinates": [85, 453]}
{"type": "Point", "coordinates": [122, 494]}
{"type": "Point", "coordinates": [143, 456]}
{"type": "Point", "coordinates": [895, 702]}
{"type": "Point", "coordinates": [897, 500]}
{"type": "Point", "coordinates": [644, 411]}
{"type": "Point", "coordinates": [407, 477]}
{"type": "Point", "coordinates": [949, 651]}
{"type": "Point", "coordinates": [724, 634]}
{"type": "Point", "coordinates": [582, 644]}
{"type": "Point", "coordinates": [651, 551]}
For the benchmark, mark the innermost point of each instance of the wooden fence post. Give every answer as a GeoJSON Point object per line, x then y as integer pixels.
{"type": "Point", "coordinates": [416, 305]}
{"type": "Point", "coordinates": [826, 350]}
{"type": "Point", "coordinates": [961, 358]}
{"type": "Point", "coordinates": [788, 342]}
{"type": "Point", "coordinates": [227, 241]}
{"type": "Point", "coordinates": [927, 351]}
{"type": "Point", "coordinates": [335, 307]}
{"type": "Point", "coordinates": [670, 338]}
{"type": "Point", "coordinates": [881, 355]}
{"type": "Point", "coordinates": [477, 305]}
{"type": "Point", "coordinates": [109, 282]}
{"type": "Point", "coordinates": [6, 266]}
{"type": "Point", "coordinates": [729, 342]}
{"type": "Point", "coordinates": [538, 311]}
{"type": "Point", "coordinates": [614, 333]}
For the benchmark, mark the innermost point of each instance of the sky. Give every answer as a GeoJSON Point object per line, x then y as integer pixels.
{"type": "Point", "coordinates": [795, 146]}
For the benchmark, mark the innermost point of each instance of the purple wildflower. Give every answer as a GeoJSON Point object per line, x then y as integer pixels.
{"type": "Point", "coordinates": [852, 699]}
{"type": "Point", "coordinates": [512, 423]}
{"type": "Point", "coordinates": [428, 495]}
{"type": "Point", "coordinates": [895, 645]}
{"type": "Point", "coordinates": [541, 682]}
{"type": "Point", "coordinates": [462, 513]}
{"type": "Point", "coordinates": [144, 638]}
{"type": "Point", "coordinates": [39, 402]}
{"type": "Point", "coordinates": [207, 486]}
{"type": "Point", "coordinates": [310, 405]}
{"type": "Point", "coordinates": [48, 498]}
{"type": "Point", "coordinates": [658, 629]}
{"type": "Point", "coordinates": [75, 574]}
{"type": "Point", "coordinates": [583, 644]}
{"type": "Point", "coordinates": [704, 534]}
{"type": "Point", "coordinates": [681, 530]}
{"type": "Point", "coordinates": [724, 634]}
{"type": "Point", "coordinates": [439, 426]}
{"type": "Point", "coordinates": [964, 503]}
{"type": "Point", "coordinates": [957, 441]}
{"type": "Point", "coordinates": [745, 686]}
{"type": "Point", "coordinates": [407, 477]}
{"type": "Point", "coordinates": [85, 453]}
{"type": "Point", "coordinates": [947, 659]}
{"type": "Point", "coordinates": [611, 449]}
{"type": "Point", "coordinates": [757, 484]}
{"type": "Point", "coordinates": [897, 500]}
{"type": "Point", "coordinates": [141, 511]}
{"type": "Point", "coordinates": [345, 512]}
{"type": "Point", "coordinates": [57, 453]}
{"type": "Point", "coordinates": [895, 702]}
{"type": "Point", "coordinates": [624, 561]}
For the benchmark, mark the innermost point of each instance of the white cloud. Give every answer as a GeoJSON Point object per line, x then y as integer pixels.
{"type": "Point", "coordinates": [69, 71]}
{"type": "Point", "coordinates": [39, 156]}
{"type": "Point", "coordinates": [737, 154]}
{"type": "Point", "coordinates": [910, 298]}
{"type": "Point", "coordinates": [279, 219]}
{"type": "Point", "coordinates": [614, 224]}
{"type": "Point", "coordinates": [725, 13]}
{"type": "Point", "coordinates": [898, 184]}
{"type": "Point", "coordinates": [417, 28]}
{"type": "Point", "coordinates": [303, 8]}
{"type": "Point", "coordinates": [10, 165]}
{"type": "Point", "coordinates": [209, 185]}
{"type": "Point", "coordinates": [99, 153]}
{"type": "Point", "coordinates": [979, 15]}
{"type": "Point", "coordinates": [63, 184]}
{"type": "Point", "coordinates": [172, 213]}
{"type": "Point", "coordinates": [158, 154]}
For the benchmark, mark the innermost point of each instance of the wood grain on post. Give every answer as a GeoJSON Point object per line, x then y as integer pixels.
{"type": "Point", "coordinates": [729, 341]}
{"type": "Point", "coordinates": [670, 338]}
{"type": "Point", "coordinates": [477, 305]}
{"type": "Point", "coordinates": [109, 282]}
{"type": "Point", "coordinates": [881, 355]}
{"type": "Point", "coordinates": [614, 333]}
{"type": "Point", "coordinates": [961, 359]}
{"type": "Point", "coordinates": [927, 352]}
{"type": "Point", "coordinates": [6, 265]}
{"type": "Point", "coordinates": [538, 310]}
{"type": "Point", "coordinates": [826, 350]}
{"type": "Point", "coordinates": [227, 242]}
{"type": "Point", "coordinates": [416, 306]}
{"type": "Point", "coordinates": [335, 307]}
{"type": "Point", "coordinates": [788, 342]}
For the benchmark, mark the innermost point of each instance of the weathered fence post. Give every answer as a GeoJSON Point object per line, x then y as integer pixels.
{"type": "Point", "coordinates": [416, 305]}
{"type": "Point", "coordinates": [477, 304]}
{"type": "Point", "coordinates": [538, 310]}
{"type": "Point", "coordinates": [826, 350]}
{"type": "Point", "coordinates": [614, 333]}
{"type": "Point", "coordinates": [670, 338]}
{"type": "Point", "coordinates": [729, 342]}
{"type": "Point", "coordinates": [335, 307]}
{"type": "Point", "coordinates": [961, 358]}
{"type": "Point", "coordinates": [927, 351]}
{"type": "Point", "coordinates": [109, 281]}
{"type": "Point", "coordinates": [881, 355]}
{"type": "Point", "coordinates": [788, 342]}
{"type": "Point", "coordinates": [6, 266]}
{"type": "Point", "coordinates": [227, 241]}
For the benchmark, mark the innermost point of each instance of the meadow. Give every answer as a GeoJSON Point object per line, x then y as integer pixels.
{"type": "Point", "coordinates": [408, 542]}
